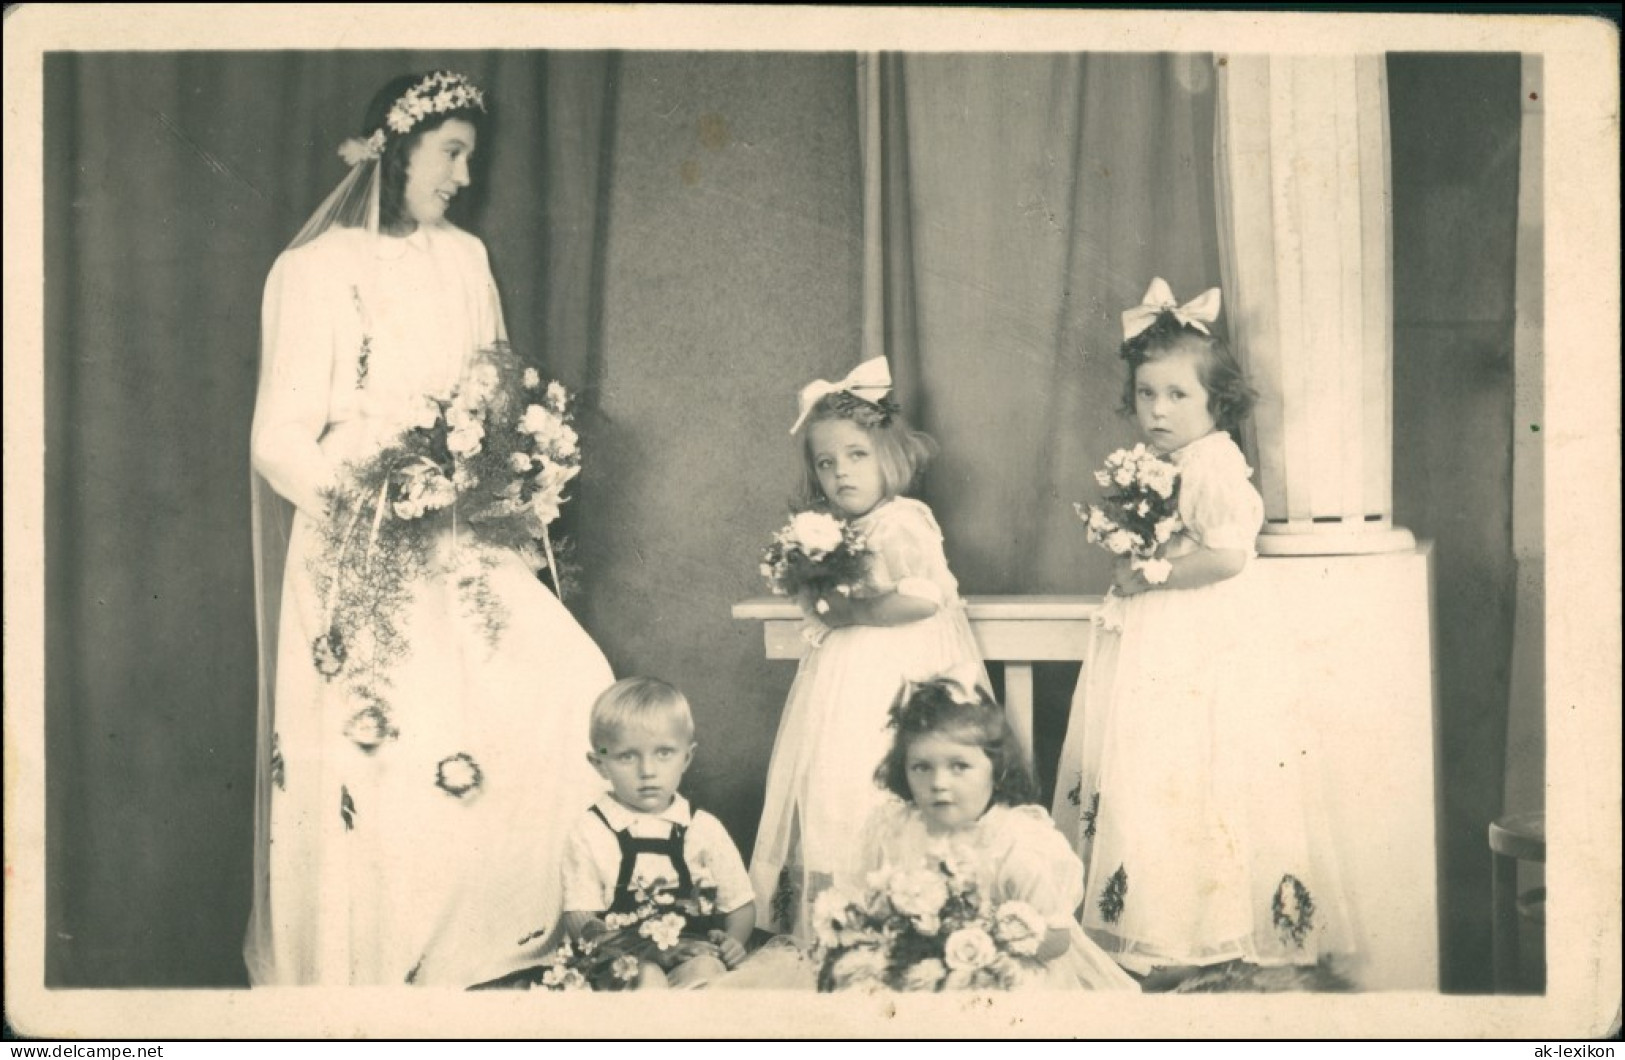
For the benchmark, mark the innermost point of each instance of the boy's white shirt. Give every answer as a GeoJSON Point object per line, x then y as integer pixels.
{"type": "Point", "coordinates": [592, 854]}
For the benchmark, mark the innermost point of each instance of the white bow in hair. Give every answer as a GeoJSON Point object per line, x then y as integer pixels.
{"type": "Point", "coordinates": [870, 381]}
{"type": "Point", "coordinates": [1199, 312]}
{"type": "Point", "coordinates": [967, 678]}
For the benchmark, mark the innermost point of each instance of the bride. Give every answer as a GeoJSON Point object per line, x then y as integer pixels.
{"type": "Point", "coordinates": [415, 772]}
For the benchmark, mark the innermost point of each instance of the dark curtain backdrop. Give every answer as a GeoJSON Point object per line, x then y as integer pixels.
{"type": "Point", "coordinates": [680, 236]}
{"type": "Point", "coordinates": [1015, 235]}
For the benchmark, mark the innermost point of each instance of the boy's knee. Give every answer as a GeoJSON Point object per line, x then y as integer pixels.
{"type": "Point", "coordinates": [697, 971]}
{"type": "Point", "coordinates": [652, 977]}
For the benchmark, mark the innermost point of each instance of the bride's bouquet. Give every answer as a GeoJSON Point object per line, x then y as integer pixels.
{"type": "Point", "coordinates": [927, 929]}
{"type": "Point", "coordinates": [484, 467]}
{"type": "Point", "coordinates": [1140, 514]}
{"type": "Point", "coordinates": [815, 553]}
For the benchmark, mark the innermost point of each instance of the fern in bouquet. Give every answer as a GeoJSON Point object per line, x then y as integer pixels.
{"type": "Point", "coordinates": [1140, 513]}
{"type": "Point", "coordinates": [816, 554]}
{"type": "Point", "coordinates": [925, 929]}
{"type": "Point", "coordinates": [479, 470]}
{"type": "Point", "coordinates": [664, 929]}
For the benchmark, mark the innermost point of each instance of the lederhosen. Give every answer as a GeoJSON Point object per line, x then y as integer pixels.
{"type": "Point", "coordinates": [625, 900]}
{"type": "Point", "coordinates": [671, 847]}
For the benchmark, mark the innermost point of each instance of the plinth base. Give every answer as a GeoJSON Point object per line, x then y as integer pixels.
{"type": "Point", "coordinates": [1336, 541]}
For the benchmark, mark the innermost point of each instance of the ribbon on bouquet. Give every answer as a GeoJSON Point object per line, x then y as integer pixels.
{"type": "Point", "coordinates": [1110, 615]}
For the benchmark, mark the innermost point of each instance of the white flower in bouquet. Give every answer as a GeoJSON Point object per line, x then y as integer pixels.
{"type": "Point", "coordinates": [1104, 478]}
{"type": "Point", "coordinates": [548, 429]}
{"type": "Point", "coordinates": [567, 443]}
{"type": "Point", "coordinates": [1020, 927]}
{"type": "Point", "coordinates": [927, 924]}
{"type": "Point", "coordinates": [1120, 541]}
{"type": "Point", "coordinates": [537, 420]}
{"type": "Point", "coordinates": [1156, 571]}
{"type": "Point", "coordinates": [557, 397]}
{"type": "Point", "coordinates": [425, 489]}
{"type": "Point", "coordinates": [862, 966]}
{"type": "Point", "coordinates": [532, 379]}
{"type": "Point", "coordinates": [917, 893]}
{"type": "Point", "coordinates": [465, 431]}
{"type": "Point", "coordinates": [926, 975]}
{"type": "Point", "coordinates": [519, 464]}
{"type": "Point", "coordinates": [544, 505]}
{"type": "Point", "coordinates": [559, 978]}
{"type": "Point", "coordinates": [481, 384]}
{"type": "Point", "coordinates": [1123, 476]}
{"type": "Point", "coordinates": [552, 474]}
{"type": "Point", "coordinates": [1166, 528]}
{"type": "Point", "coordinates": [626, 968]}
{"type": "Point", "coordinates": [1159, 476]}
{"type": "Point", "coordinates": [829, 915]}
{"type": "Point", "coordinates": [817, 532]}
{"type": "Point", "coordinates": [969, 948]}
{"type": "Point", "coordinates": [664, 931]}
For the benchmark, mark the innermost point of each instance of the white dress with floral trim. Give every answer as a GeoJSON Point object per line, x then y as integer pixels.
{"type": "Point", "coordinates": [833, 733]}
{"type": "Point", "coordinates": [1188, 777]}
{"type": "Point", "coordinates": [421, 844]}
{"type": "Point", "coordinates": [1014, 853]}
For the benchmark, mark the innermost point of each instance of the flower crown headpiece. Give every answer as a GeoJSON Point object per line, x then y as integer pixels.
{"type": "Point", "coordinates": [437, 93]}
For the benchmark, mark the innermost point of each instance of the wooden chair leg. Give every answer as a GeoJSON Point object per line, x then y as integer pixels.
{"type": "Point", "coordinates": [1504, 936]}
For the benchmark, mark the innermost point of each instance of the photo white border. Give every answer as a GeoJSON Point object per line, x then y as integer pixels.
{"type": "Point", "coordinates": [1582, 466]}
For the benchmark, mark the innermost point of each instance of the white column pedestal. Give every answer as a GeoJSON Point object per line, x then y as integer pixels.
{"type": "Point", "coordinates": [1361, 630]}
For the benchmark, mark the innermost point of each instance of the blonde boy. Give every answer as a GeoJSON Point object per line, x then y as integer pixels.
{"type": "Point", "coordinates": [642, 835]}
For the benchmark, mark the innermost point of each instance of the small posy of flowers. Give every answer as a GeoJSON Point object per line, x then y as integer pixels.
{"type": "Point", "coordinates": [1140, 512]}
{"type": "Point", "coordinates": [655, 932]}
{"type": "Point", "coordinates": [925, 929]}
{"type": "Point", "coordinates": [818, 554]}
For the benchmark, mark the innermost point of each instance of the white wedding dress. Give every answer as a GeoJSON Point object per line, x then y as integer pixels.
{"type": "Point", "coordinates": [422, 850]}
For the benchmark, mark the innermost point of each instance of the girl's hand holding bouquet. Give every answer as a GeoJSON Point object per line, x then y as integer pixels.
{"type": "Point", "coordinates": [1135, 522]}
{"type": "Point", "coordinates": [820, 560]}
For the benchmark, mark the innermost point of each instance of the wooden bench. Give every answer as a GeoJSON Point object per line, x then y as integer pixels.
{"type": "Point", "coordinates": [1013, 631]}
